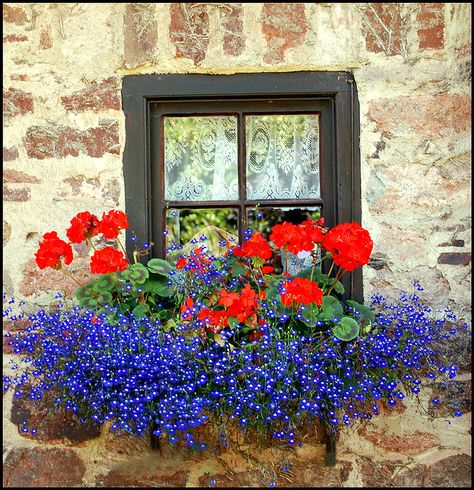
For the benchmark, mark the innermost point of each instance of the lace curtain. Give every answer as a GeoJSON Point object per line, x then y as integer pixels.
{"type": "Point", "coordinates": [201, 158]}
{"type": "Point", "coordinates": [201, 155]}
{"type": "Point", "coordinates": [282, 157]}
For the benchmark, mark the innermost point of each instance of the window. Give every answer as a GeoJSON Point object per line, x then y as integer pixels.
{"type": "Point", "coordinates": [238, 151]}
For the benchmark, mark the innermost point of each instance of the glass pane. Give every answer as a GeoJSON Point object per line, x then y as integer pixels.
{"type": "Point", "coordinates": [282, 156]}
{"type": "Point", "coordinates": [263, 219]}
{"type": "Point", "coordinates": [215, 229]}
{"type": "Point", "coordinates": [200, 158]}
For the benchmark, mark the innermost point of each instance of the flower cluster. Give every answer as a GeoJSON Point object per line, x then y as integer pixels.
{"type": "Point", "coordinates": [83, 227]}
{"type": "Point", "coordinates": [167, 345]}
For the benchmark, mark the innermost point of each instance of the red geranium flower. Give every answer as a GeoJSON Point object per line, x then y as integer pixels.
{"type": "Point", "coordinates": [313, 230]}
{"type": "Point", "coordinates": [215, 320]}
{"type": "Point", "coordinates": [291, 238]}
{"type": "Point", "coordinates": [51, 250]}
{"type": "Point", "coordinates": [112, 223]}
{"type": "Point", "coordinates": [301, 290]}
{"type": "Point", "coordinates": [83, 226]}
{"type": "Point", "coordinates": [349, 244]}
{"type": "Point", "coordinates": [255, 246]}
{"type": "Point", "coordinates": [108, 260]}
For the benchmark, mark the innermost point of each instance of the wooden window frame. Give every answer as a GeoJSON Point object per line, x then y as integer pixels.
{"type": "Point", "coordinates": [141, 94]}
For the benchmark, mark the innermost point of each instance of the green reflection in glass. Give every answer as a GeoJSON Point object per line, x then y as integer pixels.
{"type": "Point", "coordinates": [187, 227]}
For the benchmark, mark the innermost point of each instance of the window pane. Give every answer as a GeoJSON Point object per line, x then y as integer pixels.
{"type": "Point", "coordinates": [187, 227]}
{"type": "Point", "coordinates": [200, 158]}
{"type": "Point", "coordinates": [282, 156]}
{"type": "Point", "coordinates": [263, 219]}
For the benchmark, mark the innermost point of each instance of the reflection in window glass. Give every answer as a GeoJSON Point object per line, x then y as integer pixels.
{"type": "Point", "coordinates": [200, 158]}
{"type": "Point", "coordinates": [215, 229]}
{"type": "Point", "coordinates": [282, 156]}
{"type": "Point", "coordinates": [263, 220]}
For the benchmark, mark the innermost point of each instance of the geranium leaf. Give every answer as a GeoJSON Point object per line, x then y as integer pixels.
{"type": "Point", "coordinates": [160, 266]}
{"type": "Point", "coordinates": [347, 329]}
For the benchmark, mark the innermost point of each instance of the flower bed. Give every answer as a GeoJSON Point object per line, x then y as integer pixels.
{"type": "Point", "coordinates": [233, 340]}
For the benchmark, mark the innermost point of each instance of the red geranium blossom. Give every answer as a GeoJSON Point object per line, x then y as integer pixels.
{"type": "Point", "coordinates": [83, 226]}
{"type": "Point", "coordinates": [313, 230]}
{"type": "Point", "coordinates": [291, 238]}
{"type": "Point", "coordinates": [301, 290]}
{"type": "Point", "coordinates": [255, 246]}
{"type": "Point", "coordinates": [241, 306]}
{"type": "Point", "coordinates": [196, 262]}
{"type": "Point", "coordinates": [349, 244]}
{"type": "Point", "coordinates": [108, 260]}
{"type": "Point", "coordinates": [215, 320]}
{"type": "Point", "coordinates": [51, 250]}
{"type": "Point", "coordinates": [112, 223]}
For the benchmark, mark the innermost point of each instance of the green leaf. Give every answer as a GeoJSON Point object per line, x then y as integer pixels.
{"type": "Point", "coordinates": [154, 285]}
{"type": "Point", "coordinates": [338, 287]}
{"type": "Point", "coordinates": [160, 266]}
{"type": "Point", "coordinates": [347, 329]}
{"type": "Point", "coordinates": [140, 310]}
{"type": "Point", "coordinates": [329, 309]}
{"type": "Point", "coordinates": [233, 321]}
{"type": "Point", "coordinates": [88, 302]}
{"type": "Point", "coordinates": [366, 314]}
{"type": "Point", "coordinates": [105, 281]}
{"type": "Point", "coordinates": [310, 315]}
{"type": "Point", "coordinates": [104, 297]}
{"type": "Point", "coordinates": [136, 273]}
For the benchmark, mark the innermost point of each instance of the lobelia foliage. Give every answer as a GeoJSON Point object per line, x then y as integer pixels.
{"type": "Point", "coordinates": [233, 338]}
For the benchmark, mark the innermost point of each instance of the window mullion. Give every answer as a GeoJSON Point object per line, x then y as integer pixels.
{"type": "Point", "coordinates": [241, 174]}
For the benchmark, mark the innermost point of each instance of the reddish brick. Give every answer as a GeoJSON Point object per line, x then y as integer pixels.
{"type": "Point", "coordinates": [13, 38]}
{"type": "Point", "coordinates": [99, 96]}
{"type": "Point", "coordinates": [46, 40]}
{"type": "Point", "coordinates": [382, 28]}
{"type": "Point", "coordinates": [374, 474]}
{"type": "Point", "coordinates": [14, 15]}
{"type": "Point", "coordinates": [59, 142]}
{"type": "Point", "coordinates": [140, 33]}
{"type": "Point", "coordinates": [15, 326]}
{"type": "Point", "coordinates": [454, 471]}
{"type": "Point", "coordinates": [21, 194]}
{"type": "Point", "coordinates": [11, 175]}
{"type": "Point", "coordinates": [7, 348]}
{"type": "Point", "coordinates": [16, 102]}
{"type": "Point", "coordinates": [232, 23]}
{"type": "Point", "coordinates": [412, 443]}
{"type": "Point", "coordinates": [10, 154]}
{"type": "Point", "coordinates": [54, 425]}
{"type": "Point", "coordinates": [284, 26]}
{"type": "Point", "coordinates": [429, 116]}
{"type": "Point", "coordinates": [430, 20]}
{"type": "Point", "coordinates": [43, 467]}
{"type": "Point", "coordinates": [189, 30]}
{"type": "Point", "coordinates": [22, 78]}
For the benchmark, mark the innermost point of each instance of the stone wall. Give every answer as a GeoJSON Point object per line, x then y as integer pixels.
{"type": "Point", "coordinates": [63, 142]}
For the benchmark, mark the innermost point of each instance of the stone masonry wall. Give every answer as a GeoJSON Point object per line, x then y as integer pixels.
{"type": "Point", "coordinates": [64, 135]}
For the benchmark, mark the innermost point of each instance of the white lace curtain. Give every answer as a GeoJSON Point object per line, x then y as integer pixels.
{"type": "Point", "coordinates": [201, 155]}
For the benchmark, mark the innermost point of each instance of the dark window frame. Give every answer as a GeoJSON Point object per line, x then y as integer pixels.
{"type": "Point", "coordinates": [140, 93]}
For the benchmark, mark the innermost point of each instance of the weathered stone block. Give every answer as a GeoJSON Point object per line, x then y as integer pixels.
{"type": "Point", "coordinates": [430, 30]}
{"type": "Point", "coordinates": [14, 15]}
{"type": "Point", "coordinates": [14, 38]}
{"type": "Point", "coordinates": [11, 175]}
{"type": "Point", "coordinates": [284, 26]}
{"type": "Point", "coordinates": [43, 467]}
{"type": "Point", "coordinates": [59, 142]}
{"type": "Point", "coordinates": [16, 102]}
{"type": "Point", "coordinates": [21, 194]}
{"type": "Point", "coordinates": [140, 34]}
{"type": "Point", "coordinates": [189, 30]}
{"type": "Point", "coordinates": [454, 471]}
{"type": "Point", "coordinates": [454, 258]}
{"type": "Point", "coordinates": [98, 96]}
{"type": "Point", "coordinates": [10, 154]}
{"type": "Point", "coordinates": [54, 425]}
{"type": "Point", "coordinates": [232, 22]}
